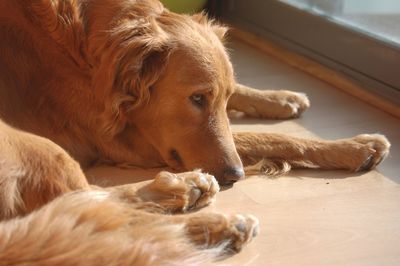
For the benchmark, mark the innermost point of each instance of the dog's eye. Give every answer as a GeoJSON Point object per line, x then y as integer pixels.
{"type": "Point", "coordinates": [198, 99]}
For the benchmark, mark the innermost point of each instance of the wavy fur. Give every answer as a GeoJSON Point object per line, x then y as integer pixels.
{"type": "Point", "coordinates": [92, 228]}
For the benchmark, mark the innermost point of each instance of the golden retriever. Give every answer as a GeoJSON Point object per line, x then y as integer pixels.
{"type": "Point", "coordinates": [127, 81]}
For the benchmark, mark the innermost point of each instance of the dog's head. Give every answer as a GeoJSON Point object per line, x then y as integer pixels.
{"type": "Point", "coordinates": [171, 79]}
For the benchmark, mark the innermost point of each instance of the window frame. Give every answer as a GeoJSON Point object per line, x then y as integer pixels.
{"type": "Point", "coordinates": [371, 62]}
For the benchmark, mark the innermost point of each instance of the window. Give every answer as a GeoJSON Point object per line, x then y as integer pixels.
{"type": "Point", "coordinates": [360, 38]}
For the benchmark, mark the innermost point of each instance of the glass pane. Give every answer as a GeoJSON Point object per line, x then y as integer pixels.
{"type": "Point", "coordinates": [377, 18]}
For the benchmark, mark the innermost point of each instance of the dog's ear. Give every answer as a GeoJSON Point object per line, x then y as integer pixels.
{"type": "Point", "coordinates": [217, 28]}
{"type": "Point", "coordinates": [133, 59]}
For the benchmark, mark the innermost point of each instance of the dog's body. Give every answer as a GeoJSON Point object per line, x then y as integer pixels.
{"type": "Point", "coordinates": [129, 82]}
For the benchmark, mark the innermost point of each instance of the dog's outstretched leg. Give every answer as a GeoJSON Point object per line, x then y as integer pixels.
{"type": "Point", "coordinates": [115, 232]}
{"type": "Point", "coordinates": [268, 103]}
{"type": "Point", "coordinates": [362, 152]}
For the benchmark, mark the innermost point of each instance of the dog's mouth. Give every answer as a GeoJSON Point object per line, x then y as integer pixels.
{"type": "Point", "coordinates": [176, 159]}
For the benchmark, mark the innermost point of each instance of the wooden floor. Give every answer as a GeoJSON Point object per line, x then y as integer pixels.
{"type": "Point", "coordinates": [309, 217]}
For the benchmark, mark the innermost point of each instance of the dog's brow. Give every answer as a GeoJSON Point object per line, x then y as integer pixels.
{"type": "Point", "coordinates": [205, 88]}
{"type": "Point", "coordinates": [201, 86]}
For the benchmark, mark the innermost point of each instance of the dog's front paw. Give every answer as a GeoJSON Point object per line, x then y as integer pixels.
{"type": "Point", "coordinates": [293, 104]}
{"type": "Point", "coordinates": [379, 147]}
{"type": "Point", "coordinates": [278, 104]}
{"type": "Point", "coordinates": [211, 229]}
{"type": "Point", "coordinates": [182, 192]}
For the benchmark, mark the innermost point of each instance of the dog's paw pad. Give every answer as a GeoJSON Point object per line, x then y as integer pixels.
{"type": "Point", "coordinates": [184, 191]}
{"type": "Point", "coordinates": [282, 104]}
{"type": "Point", "coordinates": [232, 232]}
{"type": "Point", "coordinates": [201, 187]}
{"type": "Point", "coordinates": [378, 144]}
{"type": "Point", "coordinates": [246, 227]}
{"type": "Point", "coordinates": [295, 103]}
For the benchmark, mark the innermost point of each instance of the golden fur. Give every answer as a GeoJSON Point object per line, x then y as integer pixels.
{"type": "Point", "coordinates": [128, 82]}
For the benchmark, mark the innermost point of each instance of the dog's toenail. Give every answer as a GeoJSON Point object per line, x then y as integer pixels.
{"type": "Point", "coordinates": [367, 164]}
{"type": "Point", "coordinates": [241, 227]}
{"type": "Point", "coordinates": [256, 230]}
{"type": "Point", "coordinates": [194, 195]}
{"type": "Point", "coordinates": [203, 179]}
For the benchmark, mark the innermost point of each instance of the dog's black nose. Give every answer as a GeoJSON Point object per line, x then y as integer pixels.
{"type": "Point", "coordinates": [233, 174]}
